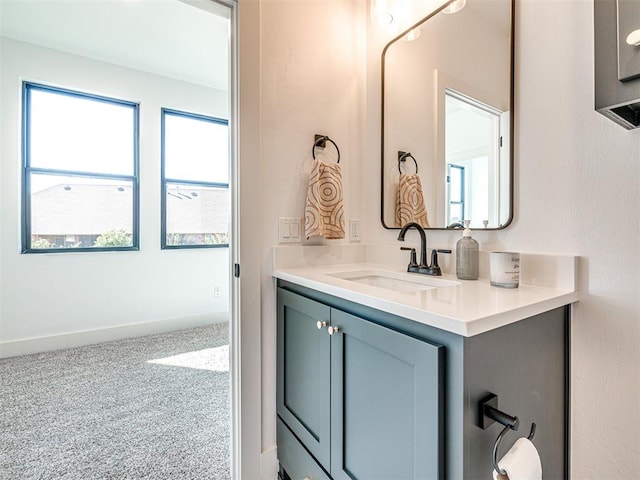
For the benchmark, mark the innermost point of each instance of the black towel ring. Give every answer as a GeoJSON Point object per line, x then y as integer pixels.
{"type": "Point", "coordinates": [320, 141]}
{"type": "Point", "coordinates": [402, 157]}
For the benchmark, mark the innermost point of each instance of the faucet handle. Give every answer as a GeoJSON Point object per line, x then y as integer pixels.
{"type": "Point", "coordinates": [435, 268]}
{"type": "Point", "coordinates": [413, 262]}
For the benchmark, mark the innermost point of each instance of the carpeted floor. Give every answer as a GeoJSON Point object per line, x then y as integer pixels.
{"type": "Point", "coordinates": [155, 407]}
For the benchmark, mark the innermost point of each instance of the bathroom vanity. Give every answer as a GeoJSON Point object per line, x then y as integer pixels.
{"type": "Point", "coordinates": [381, 379]}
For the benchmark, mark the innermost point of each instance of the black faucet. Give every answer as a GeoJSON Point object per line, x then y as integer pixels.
{"type": "Point", "coordinates": [423, 267]}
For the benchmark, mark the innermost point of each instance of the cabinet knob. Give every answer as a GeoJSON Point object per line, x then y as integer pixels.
{"type": "Point", "coordinates": [333, 330]}
{"type": "Point", "coordinates": [320, 326]}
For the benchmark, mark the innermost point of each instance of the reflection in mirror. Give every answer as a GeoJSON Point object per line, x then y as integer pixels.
{"type": "Point", "coordinates": [447, 99]}
{"type": "Point", "coordinates": [472, 155]}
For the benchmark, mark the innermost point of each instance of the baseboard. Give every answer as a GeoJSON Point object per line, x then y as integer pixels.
{"type": "Point", "coordinates": [269, 464]}
{"type": "Point", "coordinates": [48, 343]}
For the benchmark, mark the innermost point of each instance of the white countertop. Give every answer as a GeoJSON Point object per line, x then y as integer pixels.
{"type": "Point", "coordinates": [467, 308]}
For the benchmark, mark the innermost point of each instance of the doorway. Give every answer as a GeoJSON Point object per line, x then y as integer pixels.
{"type": "Point", "coordinates": [472, 161]}
{"type": "Point", "coordinates": [164, 59]}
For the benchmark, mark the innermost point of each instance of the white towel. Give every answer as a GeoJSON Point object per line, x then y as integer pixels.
{"type": "Point", "coordinates": [521, 462]}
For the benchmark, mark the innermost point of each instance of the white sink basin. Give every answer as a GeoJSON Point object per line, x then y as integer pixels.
{"type": "Point", "coordinates": [397, 281]}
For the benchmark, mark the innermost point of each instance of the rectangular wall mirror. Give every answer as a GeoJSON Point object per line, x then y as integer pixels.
{"type": "Point", "coordinates": [447, 119]}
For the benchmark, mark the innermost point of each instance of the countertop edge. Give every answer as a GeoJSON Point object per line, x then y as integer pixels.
{"type": "Point", "coordinates": [468, 327]}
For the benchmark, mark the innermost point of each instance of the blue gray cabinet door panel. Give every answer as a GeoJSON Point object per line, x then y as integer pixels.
{"type": "Point", "coordinates": [303, 393]}
{"type": "Point", "coordinates": [294, 458]}
{"type": "Point", "coordinates": [386, 403]}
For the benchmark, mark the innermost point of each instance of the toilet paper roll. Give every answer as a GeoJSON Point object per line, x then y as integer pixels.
{"type": "Point", "coordinates": [521, 462]}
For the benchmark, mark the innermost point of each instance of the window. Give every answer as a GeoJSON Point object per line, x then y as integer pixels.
{"type": "Point", "coordinates": [195, 181]}
{"type": "Point", "coordinates": [80, 171]}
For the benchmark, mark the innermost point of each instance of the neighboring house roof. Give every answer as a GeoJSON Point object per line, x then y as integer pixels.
{"type": "Point", "coordinates": [206, 212]}
{"type": "Point", "coordinates": [82, 209]}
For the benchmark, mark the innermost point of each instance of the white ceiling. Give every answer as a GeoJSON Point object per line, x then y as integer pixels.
{"type": "Point", "coordinates": [183, 39]}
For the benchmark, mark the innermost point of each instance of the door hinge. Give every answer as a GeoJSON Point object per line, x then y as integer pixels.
{"type": "Point", "coordinates": [501, 140]}
{"type": "Point", "coordinates": [236, 270]}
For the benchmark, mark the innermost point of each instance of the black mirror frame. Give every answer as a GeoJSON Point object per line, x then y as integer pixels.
{"type": "Point", "coordinates": [511, 120]}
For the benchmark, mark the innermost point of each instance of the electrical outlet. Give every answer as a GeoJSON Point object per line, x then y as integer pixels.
{"type": "Point", "coordinates": [217, 291]}
{"type": "Point", "coordinates": [354, 230]}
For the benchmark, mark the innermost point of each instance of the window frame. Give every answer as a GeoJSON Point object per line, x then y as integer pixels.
{"type": "Point", "coordinates": [27, 169]}
{"type": "Point", "coordinates": [164, 180]}
{"type": "Point", "coordinates": [463, 192]}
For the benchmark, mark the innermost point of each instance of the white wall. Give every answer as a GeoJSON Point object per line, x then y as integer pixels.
{"type": "Point", "coordinates": [48, 295]}
{"type": "Point", "coordinates": [577, 192]}
{"type": "Point", "coordinates": [312, 62]}
{"type": "Point", "coordinates": [579, 179]}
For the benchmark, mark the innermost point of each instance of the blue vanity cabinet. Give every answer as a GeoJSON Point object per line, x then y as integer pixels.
{"type": "Point", "coordinates": [303, 396]}
{"type": "Point", "coordinates": [365, 401]}
{"type": "Point", "coordinates": [387, 398]}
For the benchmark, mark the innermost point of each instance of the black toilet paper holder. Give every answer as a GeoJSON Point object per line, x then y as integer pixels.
{"type": "Point", "coordinates": [488, 414]}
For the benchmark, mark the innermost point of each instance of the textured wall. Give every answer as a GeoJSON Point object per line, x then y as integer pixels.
{"type": "Point", "coordinates": [580, 177]}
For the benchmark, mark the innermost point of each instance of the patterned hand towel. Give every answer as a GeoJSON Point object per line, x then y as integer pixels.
{"type": "Point", "coordinates": [410, 202]}
{"type": "Point", "coordinates": [324, 212]}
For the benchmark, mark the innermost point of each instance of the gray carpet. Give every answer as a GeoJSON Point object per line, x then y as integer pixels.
{"type": "Point", "coordinates": [106, 412]}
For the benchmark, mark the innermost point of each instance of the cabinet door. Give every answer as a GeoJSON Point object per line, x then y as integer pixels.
{"type": "Point", "coordinates": [303, 384]}
{"type": "Point", "coordinates": [386, 405]}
